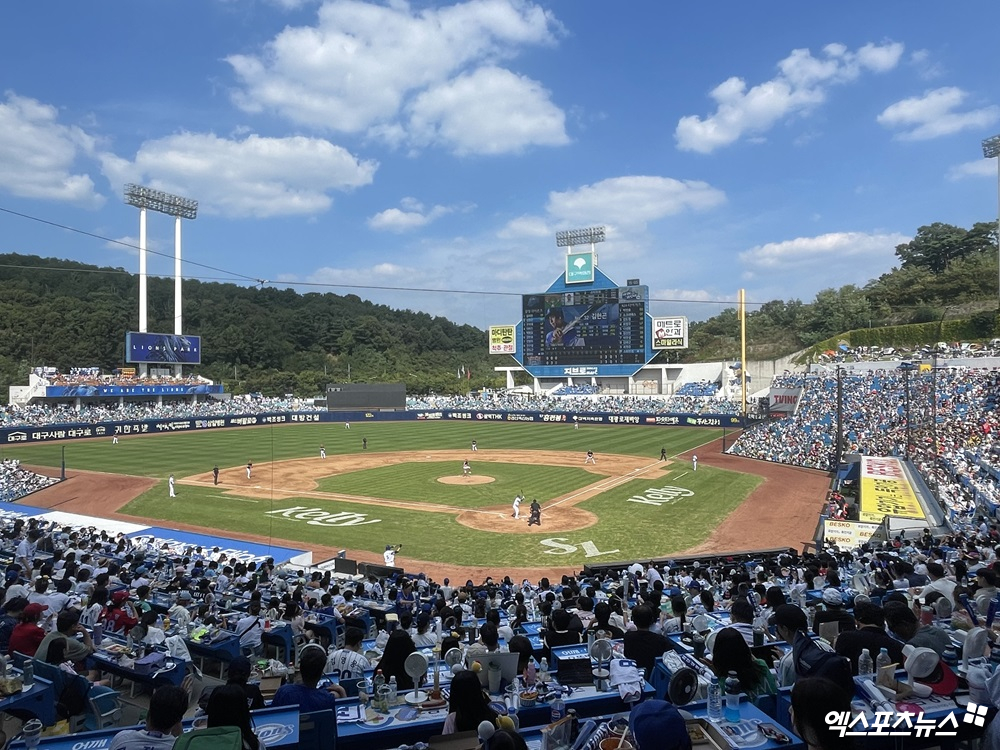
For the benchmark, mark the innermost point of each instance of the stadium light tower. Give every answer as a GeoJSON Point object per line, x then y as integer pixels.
{"type": "Point", "coordinates": [180, 208]}
{"type": "Point", "coordinates": [576, 237]}
{"type": "Point", "coordinates": [991, 150]}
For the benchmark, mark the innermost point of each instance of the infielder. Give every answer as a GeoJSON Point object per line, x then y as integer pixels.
{"type": "Point", "coordinates": [249, 469]}
{"type": "Point", "coordinates": [590, 458]}
{"type": "Point", "coordinates": [466, 469]}
{"type": "Point", "coordinates": [694, 462]}
{"type": "Point", "coordinates": [322, 451]}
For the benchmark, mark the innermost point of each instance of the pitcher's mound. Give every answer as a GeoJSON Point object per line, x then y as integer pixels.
{"type": "Point", "coordinates": [475, 479]}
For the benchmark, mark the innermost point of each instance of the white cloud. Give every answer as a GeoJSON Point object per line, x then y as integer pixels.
{"type": "Point", "coordinates": [488, 111]}
{"type": "Point", "coordinates": [801, 84]}
{"type": "Point", "coordinates": [526, 227]}
{"type": "Point", "coordinates": [361, 64]}
{"type": "Point", "coordinates": [253, 176]}
{"type": "Point", "coordinates": [631, 202]}
{"type": "Point", "coordinates": [840, 248]}
{"type": "Point", "coordinates": [977, 168]}
{"type": "Point", "coordinates": [412, 216]}
{"type": "Point", "coordinates": [932, 115]}
{"type": "Point", "coordinates": [39, 154]}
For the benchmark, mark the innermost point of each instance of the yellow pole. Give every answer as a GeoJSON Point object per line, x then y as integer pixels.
{"type": "Point", "coordinates": [742, 313]}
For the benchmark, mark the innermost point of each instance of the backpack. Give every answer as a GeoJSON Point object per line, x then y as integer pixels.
{"type": "Point", "coordinates": [213, 738]}
{"type": "Point", "coordinates": [812, 661]}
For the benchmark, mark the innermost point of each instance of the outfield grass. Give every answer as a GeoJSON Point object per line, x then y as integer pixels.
{"type": "Point", "coordinates": [186, 453]}
{"type": "Point", "coordinates": [625, 530]}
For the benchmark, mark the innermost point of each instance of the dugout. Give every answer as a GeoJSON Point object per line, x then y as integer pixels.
{"type": "Point", "coordinates": [366, 397]}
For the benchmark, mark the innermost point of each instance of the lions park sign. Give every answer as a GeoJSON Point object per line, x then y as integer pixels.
{"type": "Point", "coordinates": [320, 517]}
{"type": "Point", "coordinates": [661, 496]}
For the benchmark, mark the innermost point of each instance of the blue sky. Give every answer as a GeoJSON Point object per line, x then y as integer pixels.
{"type": "Point", "coordinates": [372, 148]}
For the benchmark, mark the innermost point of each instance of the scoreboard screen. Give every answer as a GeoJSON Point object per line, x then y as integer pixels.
{"type": "Point", "coordinates": [594, 327]}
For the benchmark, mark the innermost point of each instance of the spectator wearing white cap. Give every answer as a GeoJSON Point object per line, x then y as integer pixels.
{"type": "Point", "coordinates": [833, 602]}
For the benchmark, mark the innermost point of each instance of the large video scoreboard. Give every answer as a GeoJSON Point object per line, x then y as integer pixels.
{"type": "Point", "coordinates": [594, 327]}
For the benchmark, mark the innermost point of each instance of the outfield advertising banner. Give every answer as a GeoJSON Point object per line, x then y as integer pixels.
{"type": "Point", "coordinates": [502, 340]}
{"type": "Point", "coordinates": [169, 348]}
{"type": "Point", "coordinates": [885, 490]}
{"type": "Point", "coordinates": [50, 433]}
{"type": "Point", "coordinates": [850, 534]}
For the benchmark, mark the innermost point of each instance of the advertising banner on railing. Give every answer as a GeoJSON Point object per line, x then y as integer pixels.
{"type": "Point", "coordinates": [850, 534]}
{"type": "Point", "coordinates": [885, 490]}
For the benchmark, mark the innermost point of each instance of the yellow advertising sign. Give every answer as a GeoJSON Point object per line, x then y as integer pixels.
{"type": "Point", "coordinates": [502, 340]}
{"type": "Point", "coordinates": [885, 490]}
{"type": "Point", "coordinates": [849, 534]}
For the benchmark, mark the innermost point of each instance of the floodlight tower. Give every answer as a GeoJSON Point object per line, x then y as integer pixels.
{"type": "Point", "coordinates": [576, 237]}
{"type": "Point", "coordinates": [172, 205]}
{"type": "Point", "coordinates": [991, 150]}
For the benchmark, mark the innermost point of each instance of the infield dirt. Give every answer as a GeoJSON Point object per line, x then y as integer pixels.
{"type": "Point", "coordinates": [781, 512]}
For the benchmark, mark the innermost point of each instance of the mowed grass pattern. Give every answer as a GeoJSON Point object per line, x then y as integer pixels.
{"type": "Point", "coordinates": [418, 482]}
{"type": "Point", "coordinates": [626, 530]}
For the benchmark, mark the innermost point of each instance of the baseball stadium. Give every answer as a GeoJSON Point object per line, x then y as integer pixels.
{"type": "Point", "coordinates": [613, 469]}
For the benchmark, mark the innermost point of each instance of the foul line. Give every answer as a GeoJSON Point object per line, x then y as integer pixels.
{"type": "Point", "coordinates": [606, 484]}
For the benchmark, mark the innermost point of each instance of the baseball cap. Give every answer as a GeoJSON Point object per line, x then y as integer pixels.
{"type": "Point", "coordinates": [184, 596]}
{"type": "Point", "coordinates": [926, 667]}
{"type": "Point", "coordinates": [34, 609]}
{"type": "Point", "coordinates": [791, 617]}
{"type": "Point", "coordinates": [658, 725]}
{"type": "Point", "coordinates": [141, 570]}
{"type": "Point", "coordinates": [833, 597]}
{"type": "Point", "coordinates": [240, 667]}
{"type": "Point", "coordinates": [694, 586]}
{"type": "Point", "coordinates": [119, 596]}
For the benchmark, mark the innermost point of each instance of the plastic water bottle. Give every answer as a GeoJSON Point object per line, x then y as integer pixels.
{"type": "Point", "coordinates": [714, 700]}
{"type": "Point", "coordinates": [530, 673]}
{"type": "Point", "coordinates": [379, 681]}
{"type": "Point", "coordinates": [883, 660]}
{"type": "Point", "coordinates": [732, 712]}
{"type": "Point", "coordinates": [866, 667]}
{"type": "Point", "coordinates": [393, 691]}
{"type": "Point", "coordinates": [558, 707]}
{"type": "Point", "coordinates": [543, 670]}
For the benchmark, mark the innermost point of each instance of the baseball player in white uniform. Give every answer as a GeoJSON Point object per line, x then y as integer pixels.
{"type": "Point", "coordinates": [170, 485]}
{"type": "Point", "coordinates": [517, 505]}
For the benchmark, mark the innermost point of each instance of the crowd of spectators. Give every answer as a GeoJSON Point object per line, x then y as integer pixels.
{"type": "Point", "coordinates": [17, 482]}
{"type": "Point", "coordinates": [945, 420]}
{"type": "Point", "coordinates": [547, 403]}
{"type": "Point", "coordinates": [35, 415]}
{"type": "Point", "coordinates": [872, 595]}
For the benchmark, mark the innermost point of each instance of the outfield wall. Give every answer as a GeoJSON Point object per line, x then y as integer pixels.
{"type": "Point", "coordinates": [49, 433]}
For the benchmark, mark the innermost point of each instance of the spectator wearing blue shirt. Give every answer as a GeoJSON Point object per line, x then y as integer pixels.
{"type": "Point", "coordinates": [307, 695]}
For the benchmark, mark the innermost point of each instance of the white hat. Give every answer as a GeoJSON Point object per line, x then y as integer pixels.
{"type": "Point", "coordinates": [833, 597]}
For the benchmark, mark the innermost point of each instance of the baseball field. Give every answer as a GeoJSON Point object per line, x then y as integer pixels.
{"type": "Point", "coordinates": [407, 487]}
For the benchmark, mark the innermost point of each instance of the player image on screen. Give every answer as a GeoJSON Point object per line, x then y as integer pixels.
{"type": "Point", "coordinates": [560, 333]}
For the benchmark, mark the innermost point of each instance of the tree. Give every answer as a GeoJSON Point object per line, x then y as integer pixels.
{"type": "Point", "coordinates": [936, 246]}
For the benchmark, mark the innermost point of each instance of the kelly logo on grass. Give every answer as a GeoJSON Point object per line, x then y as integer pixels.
{"type": "Point", "coordinates": [661, 496]}
{"type": "Point", "coordinates": [320, 517]}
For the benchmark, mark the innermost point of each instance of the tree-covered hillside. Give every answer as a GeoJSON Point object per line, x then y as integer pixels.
{"type": "Point", "coordinates": [64, 314]}
{"type": "Point", "coordinates": [945, 272]}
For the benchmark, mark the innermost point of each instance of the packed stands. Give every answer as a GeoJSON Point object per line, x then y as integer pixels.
{"type": "Point", "coordinates": [17, 482]}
